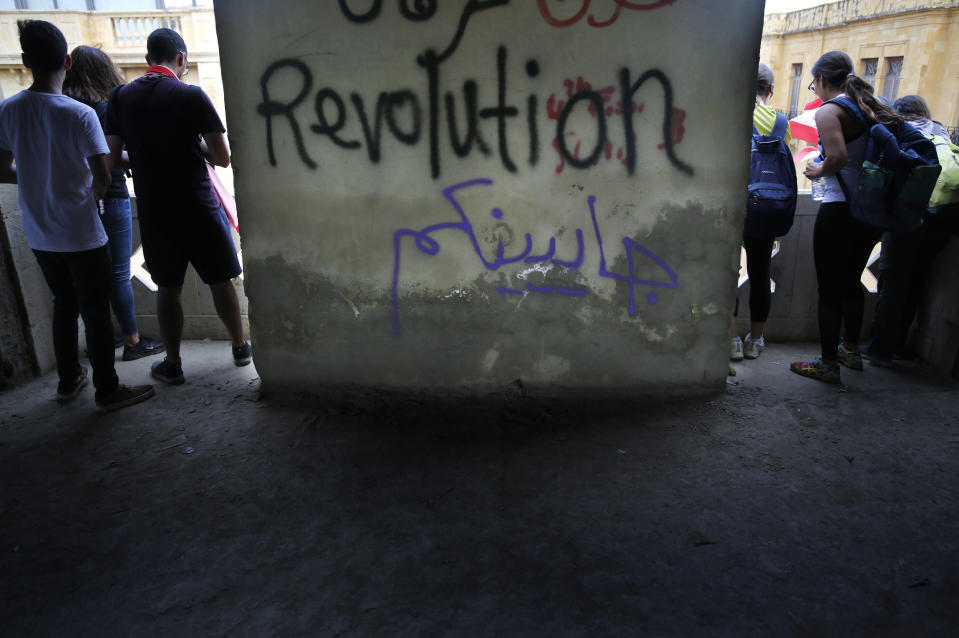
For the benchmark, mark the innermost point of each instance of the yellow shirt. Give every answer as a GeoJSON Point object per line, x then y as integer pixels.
{"type": "Point", "coordinates": [764, 117]}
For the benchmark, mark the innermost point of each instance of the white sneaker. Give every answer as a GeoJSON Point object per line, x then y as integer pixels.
{"type": "Point", "coordinates": [736, 349]}
{"type": "Point", "coordinates": [754, 347]}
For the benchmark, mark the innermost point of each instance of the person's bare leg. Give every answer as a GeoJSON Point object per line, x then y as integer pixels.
{"type": "Point", "coordinates": [228, 308]}
{"type": "Point", "coordinates": [170, 316]}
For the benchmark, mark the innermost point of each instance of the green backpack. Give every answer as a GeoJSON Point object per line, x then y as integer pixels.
{"type": "Point", "coordinates": [947, 186]}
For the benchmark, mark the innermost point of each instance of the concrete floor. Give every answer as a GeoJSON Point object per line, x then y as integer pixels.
{"type": "Point", "coordinates": [780, 507]}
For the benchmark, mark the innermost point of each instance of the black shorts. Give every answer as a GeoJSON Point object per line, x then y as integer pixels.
{"type": "Point", "coordinates": [202, 240]}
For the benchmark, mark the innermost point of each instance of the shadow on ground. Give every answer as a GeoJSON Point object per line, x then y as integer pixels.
{"type": "Point", "coordinates": [782, 507]}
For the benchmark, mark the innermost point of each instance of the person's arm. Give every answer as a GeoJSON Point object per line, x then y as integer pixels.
{"type": "Point", "coordinates": [101, 174]}
{"type": "Point", "coordinates": [213, 147]}
{"type": "Point", "coordinates": [117, 157]}
{"type": "Point", "coordinates": [833, 143]}
{"type": "Point", "coordinates": [123, 164]}
{"type": "Point", "coordinates": [8, 172]}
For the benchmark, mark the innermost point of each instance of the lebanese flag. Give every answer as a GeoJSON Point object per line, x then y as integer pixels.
{"type": "Point", "coordinates": [226, 199]}
{"type": "Point", "coordinates": [806, 154]}
{"type": "Point", "coordinates": [803, 126]}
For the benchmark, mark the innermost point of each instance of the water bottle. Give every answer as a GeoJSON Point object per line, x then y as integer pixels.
{"type": "Point", "coordinates": [818, 186]}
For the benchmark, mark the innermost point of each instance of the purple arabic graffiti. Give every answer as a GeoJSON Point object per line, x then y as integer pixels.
{"type": "Point", "coordinates": [425, 243]}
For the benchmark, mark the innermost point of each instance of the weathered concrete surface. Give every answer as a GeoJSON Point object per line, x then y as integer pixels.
{"type": "Point", "coordinates": [381, 249]}
{"type": "Point", "coordinates": [936, 334]}
{"type": "Point", "coordinates": [33, 290]}
{"type": "Point", "coordinates": [782, 507]}
{"type": "Point", "coordinates": [16, 351]}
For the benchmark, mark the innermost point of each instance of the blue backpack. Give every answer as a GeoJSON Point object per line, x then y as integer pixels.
{"type": "Point", "coordinates": [899, 173]}
{"type": "Point", "coordinates": [771, 200]}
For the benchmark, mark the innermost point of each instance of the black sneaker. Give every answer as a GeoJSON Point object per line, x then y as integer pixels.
{"type": "Point", "coordinates": [144, 348]}
{"type": "Point", "coordinates": [67, 390]}
{"type": "Point", "coordinates": [243, 355]}
{"type": "Point", "coordinates": [125, 395]}
{"type": "Point", "coordinates": [167, 372]}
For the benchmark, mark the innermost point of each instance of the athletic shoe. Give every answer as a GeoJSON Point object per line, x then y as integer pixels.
{"type": "Point", "coordinates": [736, 349]}
{"type": "Point", "coordinates": [69, 389]}
{"type": "Point", "coordinates": [752, 348]}
{"type": "Point", "coordinates": [144, 348]}
{"type": "Point", "coordinates": [243, 355]}
{"type": "Point", "coordinates": [816, 369]}
{"type": "Point", "coordinates": [167, 372]}
{"type": "Point", "coordinates": [125, 395]}
{"type": "Point", "coordinates": [849, 358]}
{"type": "Point", "coordinates": [876, 359]}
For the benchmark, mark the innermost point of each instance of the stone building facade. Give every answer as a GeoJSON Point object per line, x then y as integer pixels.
{"type": "Point", "coordinates": [902, 46]}
{"type": "Point", "coordinates": [123, 35]}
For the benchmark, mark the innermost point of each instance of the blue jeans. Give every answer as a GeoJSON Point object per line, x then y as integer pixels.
{"type": "Point", "coordinates": [117, 222]}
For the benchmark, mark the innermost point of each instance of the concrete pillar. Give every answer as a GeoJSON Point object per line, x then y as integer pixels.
{"type": "Point", "coordinates": [437, 196]}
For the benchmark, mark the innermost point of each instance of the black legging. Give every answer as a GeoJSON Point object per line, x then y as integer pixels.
{"type": "Point", "coordinates": [841, 248]}
{"type": "Point", "coordinates": [759, 254]}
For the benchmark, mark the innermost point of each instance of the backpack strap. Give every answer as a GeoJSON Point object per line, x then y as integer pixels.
{"type": "Point", "coordinates": [853, 109]}
{"type": "Point", "coordinates": [850, 107]}
{"type": "Point", "coordinates": [779, 128]}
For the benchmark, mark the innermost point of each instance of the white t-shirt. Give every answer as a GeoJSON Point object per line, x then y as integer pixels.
{"type": "Point", "coordinates": [50, 137]}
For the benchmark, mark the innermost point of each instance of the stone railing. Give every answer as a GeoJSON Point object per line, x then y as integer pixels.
{"type": "Point", "coordinates": [792, 316]}
{"type": "Point", "coordinates": [133, 30]}
{"type": "Point", "coordinates": [200, 317]}
{"type": "Point", "coordinates": [836, 14]}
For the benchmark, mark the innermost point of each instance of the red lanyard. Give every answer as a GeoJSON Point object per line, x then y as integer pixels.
{"type": "Point", "coordinates": [156, 68]}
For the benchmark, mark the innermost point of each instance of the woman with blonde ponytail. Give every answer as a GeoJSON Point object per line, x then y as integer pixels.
{"type": "Point", "coordinates": [841, 245]}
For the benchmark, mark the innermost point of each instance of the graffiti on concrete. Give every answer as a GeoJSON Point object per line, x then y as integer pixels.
{"type": "Point", "coordinates": [424, 241]}
{"type": "Point", "coordinates": [556, 105]}
{"type": "Point", "coordinates": [421, 11]}
{"type": "Point", "coordinates": [495, 111]}
{"type": "Point", "coordinates": [617, 7]}
{"type": "Point", "coordinates": [402, 112]}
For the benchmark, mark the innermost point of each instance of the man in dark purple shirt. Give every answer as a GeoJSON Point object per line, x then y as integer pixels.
{"type": "Point", "coordinates": [171, 130]}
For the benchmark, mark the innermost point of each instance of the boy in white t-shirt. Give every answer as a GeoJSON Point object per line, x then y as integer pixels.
{"type": "Point", "coordinates": [61, 168]}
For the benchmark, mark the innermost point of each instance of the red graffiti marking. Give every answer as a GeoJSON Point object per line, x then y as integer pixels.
{"type": "Point", "coordinates": [554, 109]}
{"type": "Point", "coordinates": [606, 155]}
{"type": "Point", "coordinates": [592, 21]}
{"type": "Point", "coordinates": [679, 118]}
{"type": "Point", "coordinates": [554, 105]}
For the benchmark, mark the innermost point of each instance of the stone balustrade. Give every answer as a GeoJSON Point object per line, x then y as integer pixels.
{"type": "Point", "coordinates": [132, 30]}
{"type": "Point", "coordinates": [792, 316]}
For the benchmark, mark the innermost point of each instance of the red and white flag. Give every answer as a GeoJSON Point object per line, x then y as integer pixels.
{"type": "Point", "coordinates": [803, 126]}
